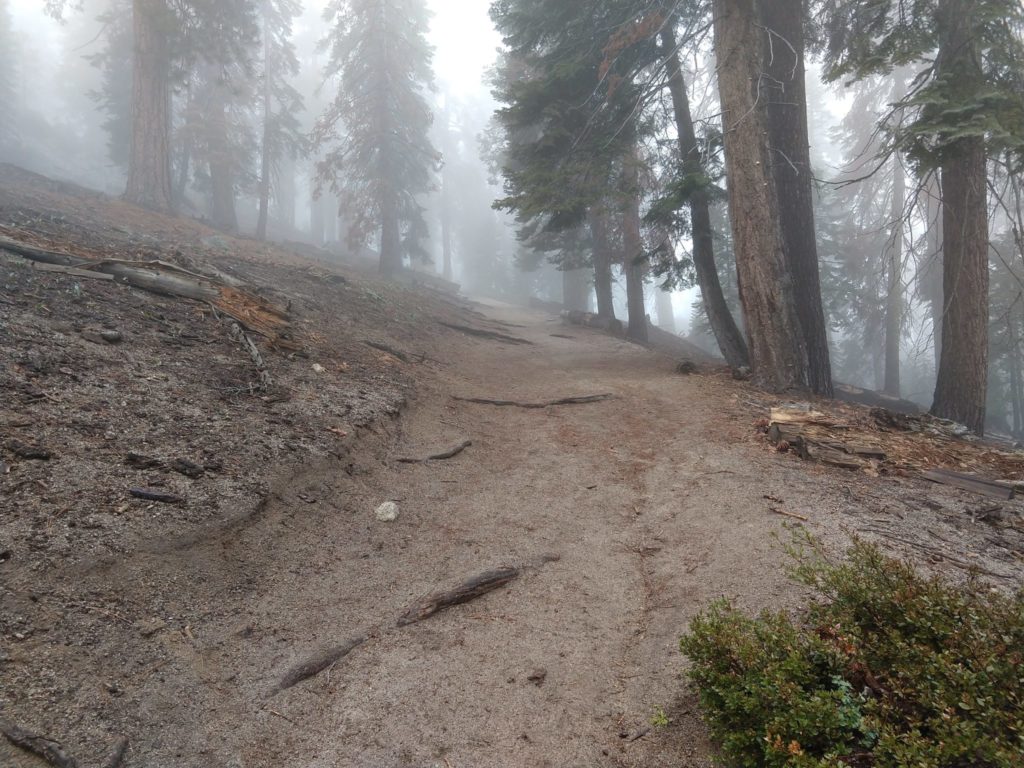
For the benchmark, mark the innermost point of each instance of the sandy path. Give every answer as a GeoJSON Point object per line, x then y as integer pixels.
{"type": "Point", "coordinates": [651, 512]}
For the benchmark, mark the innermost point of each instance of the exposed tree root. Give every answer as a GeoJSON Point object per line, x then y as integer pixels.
{"type": "Point", "coordinates": [49, 750]}
{"type": "Point", "coordinates": [480, 333]}
{"type": "Point", "coordinates": [317, 664]}
{"type": "Point", "coordinates": [583, 400]}
{"type": "Point", "coordinates": [464, 593]}
{"type": "Point", "coordinates": [449, 454]}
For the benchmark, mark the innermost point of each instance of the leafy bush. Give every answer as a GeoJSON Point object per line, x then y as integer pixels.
{"type": "Point", "coordinates": [888, 670]}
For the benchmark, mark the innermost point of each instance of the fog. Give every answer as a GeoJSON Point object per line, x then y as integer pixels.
{"type": "Point", "coordinates": [266, 148]}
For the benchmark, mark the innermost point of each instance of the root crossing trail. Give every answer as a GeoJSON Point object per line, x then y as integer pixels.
{"type": "Point", "coordinates": [624, 516]}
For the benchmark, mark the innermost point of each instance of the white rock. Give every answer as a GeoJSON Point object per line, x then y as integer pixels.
{"type": "Point", "coordinates": [387, 512]}
{"type": "Point", "coordinates": [317, 368]}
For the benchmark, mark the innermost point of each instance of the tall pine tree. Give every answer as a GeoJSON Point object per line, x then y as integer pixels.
{"type": "Point", "coordinates": [8, 84]}
{"type": "Point", "coordinates": [378, 156]}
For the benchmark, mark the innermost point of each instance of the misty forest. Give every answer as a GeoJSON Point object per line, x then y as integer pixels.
{"type": "Point", "coordinates": [512, 383]}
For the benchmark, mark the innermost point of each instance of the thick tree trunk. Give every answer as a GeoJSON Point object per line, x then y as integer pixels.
{"type": "Point", "coordinates": [962, 386]}
{"type": "Point", "coordinates": [446, 227]}
{"type": "Point", "coordinates": [894, 289]}
{"type": "Point", "coordinates": [149, 160]}
{"type": "Point", "coordinates": [575, 290]}
{"type": "Point", "coordinates": [723, 325]}
{"type": "Point", "coordinates": [316, 214]}
{"type": "Point", "coordinates": [284, 195]}
{"type": "Point", "coordinates": [634, 262]}
{"type": "Point", "coordinates": [265, 158]}
{"type": "Point", "coordinates": [776, 342]}
{"type": "Point", "coordinates": [390, 236]}
{"type": "Point", "coordinates": [602, 263]}
{"type": "Point", "coordinates": [222, 177]}
{"type": "Point", "coordinates": [785, 91]}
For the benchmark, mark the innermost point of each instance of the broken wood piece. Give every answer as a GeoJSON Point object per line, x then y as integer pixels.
{"type": "Point", "coordinates": [26, 451]}
{"type": "Point", "coordinates": [480, 333]}
{"type": "Point", "coordinates": [49, 750]}
{"type": "Point", "coordinates": [157, 496]}
{"type": "Point", "coordinates": [238, 334]}
{"type": "Point", "coordinates": [187, 468]}
{"type": "Point", "coordinates": [972, 483]}
{"type": "Point", "coordinates": [449, 454]}
{"type": "Point", "coordinates": [318, 663]}
{"type": "Point", "coordinates": [583, 400]}
{"type": "Point", "coordinates": [117, 753]}
{"type": "Point", "coordinates": [467, 591]}
{"type": "Point", "coordinates": [798, 415]}
{"type": "Point", "coordinates": [138, 461]}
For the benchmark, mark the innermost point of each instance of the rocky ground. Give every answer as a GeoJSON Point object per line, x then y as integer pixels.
{"type": "Point", "coordinates": [181, 625]}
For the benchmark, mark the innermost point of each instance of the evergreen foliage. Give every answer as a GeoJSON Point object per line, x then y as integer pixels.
{"type": "Point", "coordinates": [375, 134]}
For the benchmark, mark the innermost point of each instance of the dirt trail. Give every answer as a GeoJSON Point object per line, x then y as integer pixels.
{"type": "Point", "coordinates": [630, 514]}
{"type": "Point", "coordinates": [649, 515]}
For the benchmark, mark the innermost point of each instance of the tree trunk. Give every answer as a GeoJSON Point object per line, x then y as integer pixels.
{"type": "Point", "coordinates": [575, 290]}
{"type": "Point", "coordinates": [265, 158]}
{"type": "Point", "coordinates": [931, 274]}
{"type": "Point", "coordinates": [390, 235]}
{"type": "Point", "coordinates": [894, 289]}
{"type": "Point", "coordinates": [222, 177]}
{"type": "Point", "coordinates": [634, 261]}
{"type": "Point", "coordinates": [284, 197]}
{"type": "Point", "coordinates": [149, 160]}
{"type": "Point", "coordinates": [723, 325]}
{"type": "Point", "coordinates": [666, 313]}
{"type": "Point", "coordinates": [602, 263]}
{"type": "Point", "coordinates": [316, 213]}
{"type": "Point", "coordinates": [785, 92]}
{"type": "Point", "coordinates": [777, 351]}
{"type": "Point", "coordinates": [962, 386]}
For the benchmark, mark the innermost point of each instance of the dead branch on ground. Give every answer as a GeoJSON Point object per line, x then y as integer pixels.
{"type": "Point", "coordinates": [480, 333]}
{"type": "Point", "coordinates": [49, 750]}
{"type": "Point", "coordinates": [318, 663]}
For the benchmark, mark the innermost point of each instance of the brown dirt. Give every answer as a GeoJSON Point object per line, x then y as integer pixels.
{"type": "Point", "coordinates": [175, 625]}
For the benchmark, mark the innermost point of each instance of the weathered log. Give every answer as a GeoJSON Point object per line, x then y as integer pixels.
{"type": "Point", "coordinates": [318, 663]}
{"type": "Point", "coordinates": [449, 454]}
{"type": "Point", "coordinates": [49, 750]}
{"type": "Point", "coordinates": [582, 400]}
{"type": "Point", "coordinates": [972, 483]}
{"type": "Point", "coordinates": [467, 591]}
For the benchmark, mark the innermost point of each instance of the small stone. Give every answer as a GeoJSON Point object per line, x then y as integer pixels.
{"type": "Point", "coordinates": [388, 512]}
{"type": "Point", "coordinates": [149, 627]}
{"type": "Point", "coordinates": [317, 368]}
{"type": "Point", "coordinates": [686, 367]}
{"type": "Point", "coordinates": [538, 676]}
{"type": "Point", "coordinates": [112, 337]}
{"type": "Point", "coordinates": [742, 373]}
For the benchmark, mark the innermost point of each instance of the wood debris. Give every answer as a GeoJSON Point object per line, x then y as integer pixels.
{"type": "Point", "coordinates": [469, 590]}
{"type": "Point", "coordinates": [581, 400]}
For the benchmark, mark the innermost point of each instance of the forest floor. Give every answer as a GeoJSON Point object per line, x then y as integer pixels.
{"type": "Point", "coordinates": [175, 625]}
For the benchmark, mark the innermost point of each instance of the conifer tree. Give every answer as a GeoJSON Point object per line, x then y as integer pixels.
{"type": "Point", "coordinates": [8, 81]}
{"type": "Point", "coordinates": [378, 156]}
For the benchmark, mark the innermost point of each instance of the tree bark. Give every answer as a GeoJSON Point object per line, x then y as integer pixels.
{"type": "Point", "coordinates": [723, 325]}
{"type": "Point", "coordinates": [784, 90]}
{"type": "Point", "coordinates": [602, 263]}
{"type": "Point", "coordinates": [149, 160]}
{"type": "Point", "coordinates": [894, 289]}
{"type": "Point", "coordinates": [776, 342]}
{"type": "Point", "coordinates": [962, 386]}
{"type": "Point", "coordinates": [390, 234]}
{"type": "Point", "coordinates": [222, 177]}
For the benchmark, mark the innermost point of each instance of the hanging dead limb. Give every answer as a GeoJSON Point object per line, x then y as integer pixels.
{"type": "Point", "coordinates": [469, 590]}
{"type": "Point", "coordinates": [266, 382]}
{"type": "Point", "coordinates": [582, 400]}
{"type": "Point", "coordinates": [316, 664]}
{"type": "Point", "coordinates": [49, 750]}
{"type": "Point", "coordinates": [449, 454]}
{"type": "Point", "coordinates": [480, 333]}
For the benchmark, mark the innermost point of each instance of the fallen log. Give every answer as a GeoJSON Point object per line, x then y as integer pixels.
{"type": "Point", "coordinates": [449, 454]}
{"type": "Point", "coordinates": [85, 274]}
{"type": "Point", "coordinates": [318, 663]}
{"type": "Point", "coordinates": [467, 591]}
{"type": "Point", "coordinates": [254, 312]}
{"type": "Point", "coordinates": [972, 483]}
{"type": "Point", "coordinates": [582, 400]}
{"type": "Point", "coordinates": [49, 750]}
{"type": "Point", "coordinates": [483, 334]}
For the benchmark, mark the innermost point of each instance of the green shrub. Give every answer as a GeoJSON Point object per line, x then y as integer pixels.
{"type": "Point", "coordinates": [888, 669]}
